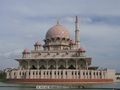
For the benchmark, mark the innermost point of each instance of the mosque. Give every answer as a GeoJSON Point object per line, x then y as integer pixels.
{"type": "Point", "coordinates": [60, 60]}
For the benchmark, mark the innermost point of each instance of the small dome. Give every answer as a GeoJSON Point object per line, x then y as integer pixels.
{"type": "Point", "coordinates": [37, 44]}
{"type": "Point", "coordinates": [72, 42]}
{"type": "Point", "coordinates": [57, 31]}
{"type": "Point", "coordinates": [81, 49]}
{"type": "Point", "coordinates": [26, 51]}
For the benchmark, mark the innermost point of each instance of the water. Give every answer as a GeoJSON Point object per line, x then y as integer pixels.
{"type": "Point", "coordinates": [10, 86]}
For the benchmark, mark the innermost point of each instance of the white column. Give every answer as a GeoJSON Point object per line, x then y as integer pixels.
{"type": "Point", "coordinates": [57, 64]}
{"type": "Point", "coordinates": [76, 64]}
{"type": "Point", "coordinates": [67, 64]}
{"type": "Point", "coordinates": [86, 64]}
{"type": "Point", "coordinates": [20, 66]}
{"type": "Point", "coordinates": [28, 64]}
{"type": "Point", "coordinates": [92, 74]}
{"type": "Point", "coordinates": [37, 65]}
{"type": "Point", "coordinates": [81, 74]}
{"type": "Point", "coordinates": [27, 74]}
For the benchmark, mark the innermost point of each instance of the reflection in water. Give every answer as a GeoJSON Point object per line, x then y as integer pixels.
{"type": "Point", "coordinates": [9, 86]}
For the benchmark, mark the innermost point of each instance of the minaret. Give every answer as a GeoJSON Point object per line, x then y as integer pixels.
{"type": "Point", "coordinates": [77, 33]}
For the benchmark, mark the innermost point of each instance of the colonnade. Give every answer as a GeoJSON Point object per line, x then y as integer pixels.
{"type": "Point", "coordinates": [54, 64]}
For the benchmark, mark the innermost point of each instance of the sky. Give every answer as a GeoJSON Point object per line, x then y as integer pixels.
{"type": "Point", "coordinates": [23, 22]}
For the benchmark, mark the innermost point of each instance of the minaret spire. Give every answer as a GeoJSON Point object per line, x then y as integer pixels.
{"type": "Point", "coordinates": [77, 32]}
{"type": "Point", "coordinates": [76, 19]}
{"type": "Point", "coordinates": [58, 22]}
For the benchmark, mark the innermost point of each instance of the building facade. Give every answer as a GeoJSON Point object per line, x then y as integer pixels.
{"type": "Point", "coordinates": [59, 60]}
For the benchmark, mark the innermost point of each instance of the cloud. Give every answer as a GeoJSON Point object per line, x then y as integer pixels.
{"type": "Point", "coordinates": [22, 23]}
{"type": "Point", "coordinates": [102, 44]}
{"type": "Point", "coordinates": [16, 52]}
{"type": "Point", "coordinates": [93, 19]}
{"type": "Point", "coordinates": [7, 59]}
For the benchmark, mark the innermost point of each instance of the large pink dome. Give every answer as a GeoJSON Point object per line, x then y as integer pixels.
{"type": "Point", "coordinates": [57, 31]}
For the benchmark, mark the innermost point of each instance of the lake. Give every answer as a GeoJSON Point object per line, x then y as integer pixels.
{"type": "Point", "coordinates": [10, 86]}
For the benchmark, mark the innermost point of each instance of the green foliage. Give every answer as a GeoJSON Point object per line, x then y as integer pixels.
{"type": "Point", "coordinates": [2, 76]}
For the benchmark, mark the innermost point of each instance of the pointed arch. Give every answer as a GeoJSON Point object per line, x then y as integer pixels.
{"type": "Point", "coordinates": [33, 64]}
{"type": "Point", "coordinates": [81, 64]}
{"type": "Point", "coordinates": [71, 64]}
{"type": "Point", "coordinates": [61, 64]}
{"type": "Point", "coordinates": [52, 64]}
{"type": "Point", "coordinates": [24, 64]}
{"type": "Point", "coordinates": [42, 64]}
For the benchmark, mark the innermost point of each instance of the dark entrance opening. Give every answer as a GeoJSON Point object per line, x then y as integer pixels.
{"type": "Point", "coordinates": [33, 67]}
{"type": "Point", "coordinates": [71, 67]}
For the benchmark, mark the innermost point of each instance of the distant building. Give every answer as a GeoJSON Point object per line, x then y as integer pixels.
{"type": "Point", "coordinates": [60, 60]}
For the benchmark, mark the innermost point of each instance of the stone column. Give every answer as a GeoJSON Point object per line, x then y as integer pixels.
{"type": "Point", "coordinates": [86, 64]}
{"type": "Point", "coordinates": [47, 64]}
{"type": "Point", "coordinates": [66, 64]}
{"type": "Point", "coordinates": [20, 66]}
{"type": "Point", "coordinates": [37, 64]}
{"type": "Point", "coordinates": [28, 64]}
{"type": "Point", "coordinates": [76, 64]}
{"type": "Point", "coordinates": [57, 64]}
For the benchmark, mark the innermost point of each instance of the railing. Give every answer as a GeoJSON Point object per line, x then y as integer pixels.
{"type": "Point", "coordinates": [58, 74]}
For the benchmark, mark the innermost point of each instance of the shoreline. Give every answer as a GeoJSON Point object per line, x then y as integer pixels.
{"type": "Point", "coordinates": [60, 81]}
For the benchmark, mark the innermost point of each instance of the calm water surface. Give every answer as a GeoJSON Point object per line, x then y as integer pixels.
{"type": "Point", "coordinates": [10, 86]}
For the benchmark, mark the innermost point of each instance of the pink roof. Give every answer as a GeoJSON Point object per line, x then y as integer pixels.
{"type": "Point", "coordinates": [26, 50]}
{"type": "Point", "coordinates": [37, 43]}
{"type": "Point", "coordinates": [81, 49]}
{"type": "Point", "coordinates": [72, 42]}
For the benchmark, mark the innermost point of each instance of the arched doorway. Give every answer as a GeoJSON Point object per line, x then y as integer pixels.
{"type": "Point", "coordinates": [33, 64]}
{"type": "Point", "coordinates": [81, 64]}
{"type": "Point", "coordinates": [61, 64]}
{"type": "Point", "coordinates": [71, 64]}
{"type": "Point", "coordinates": [42, 64]}
{"type": "Point", "coordinates": [52, 64]}
{"type": "Point", "coordinates": [24, 64]}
